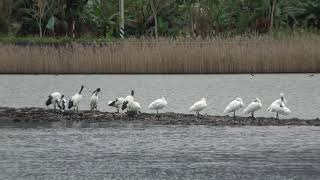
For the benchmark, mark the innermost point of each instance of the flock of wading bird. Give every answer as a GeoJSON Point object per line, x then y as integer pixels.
{"type": "Point", "coordinates": [133, 107]}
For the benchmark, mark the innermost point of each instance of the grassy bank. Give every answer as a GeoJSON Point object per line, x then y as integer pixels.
{"type": "Point", "coordinates": [298, 53]}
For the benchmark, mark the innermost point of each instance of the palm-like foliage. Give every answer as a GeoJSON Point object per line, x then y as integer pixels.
{"type": "Point", "coordinates": [101, 16]}
{"type": "Point", "coordinates": [175, 17]}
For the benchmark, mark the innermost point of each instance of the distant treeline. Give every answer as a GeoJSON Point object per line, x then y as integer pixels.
{"type": "Point", "coordinates": [260, 54]}
{"type": "Point", "coordinates": [153, 18]}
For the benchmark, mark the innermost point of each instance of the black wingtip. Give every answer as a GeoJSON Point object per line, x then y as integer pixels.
{"type": "Point", "coordinates": [49, 100]}
{"type": "Point", "coordinates": [112, 103]}
{"type": "Point", "coordinates": [70, 104]}
{"type": "Point", "coordinates": [124, 105]}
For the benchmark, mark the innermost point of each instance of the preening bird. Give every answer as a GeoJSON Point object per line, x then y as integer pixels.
{"type": "Point", "coordinates": [127, 100]}
{"type": "Point", "coordinates": [116, 103]}
{"type": "Point", "coordinates": [94, 99]}
{"type": "Point", "coordinates": [279, 109]}
{"type": "Point", "coordinates": [134, 106]}
{"type": "Point", "coordinates": [280, 101]}
{"type": "Point", "coordinates": [54, 99]}
{"type": "Point", "coordinates": [158, 104]}
{"type": "Point", "coordinates": [233, 106]}
{"type": "Point", "coordinates": [75, 100]}
{"type": "Point", "coordinates": [198, 106]}
{"type": "Point", "coordinates": [277, 106]}
{"type": "Point", "coordinates": [253, 107]}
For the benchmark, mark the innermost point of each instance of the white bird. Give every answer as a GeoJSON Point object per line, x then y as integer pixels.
{"type": "Point", "coordinates": [198, 106]}
{"type": "Point", "coordinates": [127, 100]}
{"type": "Point", "coordinates": [252, 107]}
{"type": "Point", "coordinates": [54, 99]}
{"type": "Point", "coordinates": [274, 107]}
{"type": "Point", "coordinates": [233, 106]}
{"type": "Point", "coordinates": [75, 100]}
{"type": "Point", "coordinates": [134, 107]}
{"type": "Point", "coordinates": [158, 104]}
{"type": "Point", "coordinates": [94, 99]}
{"type": "Point", "coordinates": [279, 109]}
{"type": "Point", "coordinates": [280, 101]}
{"type": "Point", "coordinates": [116, 103]}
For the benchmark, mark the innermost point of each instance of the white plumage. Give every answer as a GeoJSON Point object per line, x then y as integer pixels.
{"type": "Point", "coordinates": [233, 106]}
{"type": "Point", "coordinates": [94, 99]}
{"type": "Point", "coordinates": [253, 107]}
{"type": "Point", "coordinates": [279, 109]}
{"type": "Point", "coordinates": [198, 106]}
{"type": "Point", "coordinates": [75, 100]}
{"type": "Point", "coordinates": [158, 104]}
{"type": "Point", "coordinates": [116, 103]}
{"type": "Point", "coordinates": [134, 106]}
{"type": "Point", "coordinates": [279, 106]}
{"type": "Point", "coordinates": [54, 99]}
{"type": "Point", "coordinates": [279, 101]}
{"type": "Point", "coordinates": [129, 99]}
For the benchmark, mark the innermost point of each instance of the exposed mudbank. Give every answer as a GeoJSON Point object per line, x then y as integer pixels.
{"type": "Point", "coordinates": [29, 115]}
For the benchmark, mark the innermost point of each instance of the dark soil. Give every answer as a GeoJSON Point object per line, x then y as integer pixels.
{"type": "Point", "coordinates": [22, 115]}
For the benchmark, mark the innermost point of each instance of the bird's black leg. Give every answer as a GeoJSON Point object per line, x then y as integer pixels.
{"type": "Point", "coordinates": [277, 116]}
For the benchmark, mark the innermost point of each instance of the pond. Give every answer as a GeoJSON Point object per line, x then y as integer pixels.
{"type": "Point", "coordinates": [181, 91]}
{"type": "Point", "coordinates": [96, 151]}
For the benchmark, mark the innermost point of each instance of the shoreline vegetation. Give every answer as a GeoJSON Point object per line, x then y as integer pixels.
{"type": "Point", "coordinates": [40, 115]}
{"type": "Point", "coordinates": [297, 53]}
{"type": "Point", "coordinates": [159, 36]}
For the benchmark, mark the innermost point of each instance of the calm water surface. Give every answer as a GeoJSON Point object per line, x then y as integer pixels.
{"type": "Point", "coordinates": [97, 151]}
{"type": "Point", "coordinates": [301, 90]}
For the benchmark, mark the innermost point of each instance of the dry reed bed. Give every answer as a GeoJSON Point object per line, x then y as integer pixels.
{"type": "Point", "coordinates": [263, 55]}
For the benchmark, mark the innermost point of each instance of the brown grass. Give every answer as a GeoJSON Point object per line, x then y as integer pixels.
{"type": "Point", "coordinates": [242, 55]}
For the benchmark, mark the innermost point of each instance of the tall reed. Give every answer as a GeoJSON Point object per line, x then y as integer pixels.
{"type": "Point", "coordinates": [237, 55]}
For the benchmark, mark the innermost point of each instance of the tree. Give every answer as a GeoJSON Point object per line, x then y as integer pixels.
{"type": "Point", "coordinates": [156, 7]}
{"type": "Point", "coordinates": [74, 10]}
{"type": "Point", "coordinates": [4, 15]}
{"type": "Point", "coordinates": [101, 15]}
{"type": "Point", "coordinates": [272, 11]}
{"type": "Point", "coordinates": [38, 11]}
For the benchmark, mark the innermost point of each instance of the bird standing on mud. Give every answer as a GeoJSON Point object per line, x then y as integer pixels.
{"type": "Point", "coordinates": [158, 104]}
{"type": "Point", "coordinates": [94, 99]}
{"type": "Point", "coordinates": [253, 107]}
{"type": "Point", "coordinates": [198, 106]}
{"type": "Point", "coordinates": [75, 100]}
{"type": "Point", "coordinates": [116, 103]}
{"type": "Point", "coordinates": [279, 109]}
{"type": "Point", "coordinates": [133, 107]}
{"type": "Point", "coordinates": [279, 106]}
{"type": "Point", "coordinates": [54, 99]}
{"type": "Point", "coordinates": [233, 106]}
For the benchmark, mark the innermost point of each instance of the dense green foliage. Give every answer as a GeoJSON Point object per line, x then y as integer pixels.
{"type": "Point", "coordinates": [175, 18]}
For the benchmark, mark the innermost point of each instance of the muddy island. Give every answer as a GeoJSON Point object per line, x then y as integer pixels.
{"type": "Point", "coordinates": [38, 115]}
